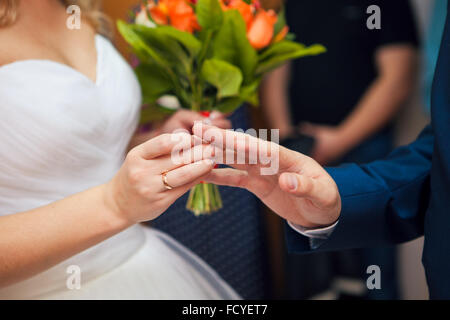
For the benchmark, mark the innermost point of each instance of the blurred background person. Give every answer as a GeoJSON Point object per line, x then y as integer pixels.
{"type": "Point", "coordinates": [345, 100]}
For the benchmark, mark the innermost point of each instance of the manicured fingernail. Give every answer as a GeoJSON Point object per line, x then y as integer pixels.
{"type": "Point", "coordinates": [292, 182]}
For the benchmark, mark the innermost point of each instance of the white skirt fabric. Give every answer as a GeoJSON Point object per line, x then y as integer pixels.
{"type": "Point", "coordinates": [161, 269]}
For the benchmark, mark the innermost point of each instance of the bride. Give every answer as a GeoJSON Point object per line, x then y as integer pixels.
{"type": "Point", "coordinates": [69, 197]}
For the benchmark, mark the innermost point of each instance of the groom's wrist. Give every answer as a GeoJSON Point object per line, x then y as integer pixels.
{"type": "Point", "coordinates": [307, 225]}
{"type": "Point", "coordinates": [322, 232]}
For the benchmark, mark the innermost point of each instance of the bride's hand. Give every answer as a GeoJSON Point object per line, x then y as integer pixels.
{"type": "Point", "coordinates": [138, 193]}
{"type": "Point", "coordinates": [181, 120]}
{"type": "Point", "coordinates": [185, 119]}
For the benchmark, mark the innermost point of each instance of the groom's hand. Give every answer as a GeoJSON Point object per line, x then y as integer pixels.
{"type": "Point", "coordinates": [301, 191]}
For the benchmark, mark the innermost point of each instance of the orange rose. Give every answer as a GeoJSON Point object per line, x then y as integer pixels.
{"type": "Point", "coordinates": [245, 10]}
{"type": "Point", "coordinates": [177, 13]}
{"type": "Point", "coordinates": [261, 30]}
{"type": "Point", "coordinates": [159, 13]}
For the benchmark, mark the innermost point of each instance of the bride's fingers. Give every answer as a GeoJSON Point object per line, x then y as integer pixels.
{"type": "Point", "coordinates": [228, 177]}
{"type": "Point", "coordinates": [222, 123]}
{"type": "Point", "coordinates": [189, 173]}
{"type": "Point", "coordinates": [164, 144]}
{"type": "Point", "coordinates": [178, 192]}
{"type": "Point", "coordinates": [182, 157]}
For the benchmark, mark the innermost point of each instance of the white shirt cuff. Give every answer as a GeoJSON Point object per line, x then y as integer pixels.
{"type": "Point", "coordinates": [320, 233]}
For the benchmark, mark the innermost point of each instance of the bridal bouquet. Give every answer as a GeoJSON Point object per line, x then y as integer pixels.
{"type": "Point", "coordinates": [206, 55]}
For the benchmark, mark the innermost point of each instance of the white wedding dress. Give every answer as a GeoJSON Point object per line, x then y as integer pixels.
{"type": "Point", "coordinates": [61, 133]}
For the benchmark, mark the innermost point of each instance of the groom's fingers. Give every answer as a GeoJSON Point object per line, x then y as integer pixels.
{"type": "Point", "coordinates": [238, 148]}
{"type": "Point", "coordinates": [320, 193]}
{"type": "Point", "coordinates": [248, 148]}
{"type": "Point", "coordinates": [227, 139]}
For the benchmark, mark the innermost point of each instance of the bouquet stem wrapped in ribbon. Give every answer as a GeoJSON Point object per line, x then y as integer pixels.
{"type": "Point", "coordinates": [204, 198]}
{"type": "Point", "coordinates": [207, 55]}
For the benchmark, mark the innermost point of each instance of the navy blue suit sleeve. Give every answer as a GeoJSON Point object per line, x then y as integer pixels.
{"type": "Point", "coordinates": [383, 202]}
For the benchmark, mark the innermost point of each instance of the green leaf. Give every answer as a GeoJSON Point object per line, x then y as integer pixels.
{"type": "Point", "coordinates": [222, 75]}
{"type": "Point", "coordinates": [154, 113]}
{"type": "Point", "coordinates": [209, 14]}
{"type": "Point", "coordinates": [250, 93]}
{"type": "Point", "coordinates": [164, 46]}
{"type": "Point", "coordinates": [281, 21]}
{"type": "Point", "coordinates": [154, 82]}
{"type": "Point", "coordinates": [231, 44]}
{"type": "Point", "coordinates": [253, 100]}
{"type": "Point", "coordinates": [191, 43]}
{"type": "Point", "coordinates": [159, 50]}
{"type": "Point", "coordinates": [142, 50]}
{"type": "Point", "coordinates": [280, 52]}
{"type": "Point", "coordinates": [229, 105]}
{"type": "Point", "coordinates": [290, 36]}
{"type": "Point", "coordinates": [247, 94]}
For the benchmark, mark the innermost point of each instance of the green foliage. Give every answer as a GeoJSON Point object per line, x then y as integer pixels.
{"type": "Point", "coordinates": [204, 198]}
{"type": "Point", "coordinates": [231, 45]}
{"type": "Point", "coordinates": [190, 43]}
{"type": "Point", "coordinates": [281, 21]}
{"type": "Point", "coordinates": [154, 113]}
{"type": "Point", "coordinates": [154, 82]}
{"type": "Point", "coordinates": [214, 68]}
{"type": "Point", "coordinates": [224, 76]}
{"type": "Point", "coordinates": [166, 47]}
{"type": "Point", "coordinates": [209, 14]}
{"type": "Point", "coordinates": [142, 50]}
{"type": "Point", "coordinates": [285, 50]}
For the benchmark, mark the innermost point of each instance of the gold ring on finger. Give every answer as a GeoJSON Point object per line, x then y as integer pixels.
{"type": "Point", "coordinates": [164, 180]}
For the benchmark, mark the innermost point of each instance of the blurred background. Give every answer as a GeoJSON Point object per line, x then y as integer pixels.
{"type": "Point", "coordinates": [252, 256]}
